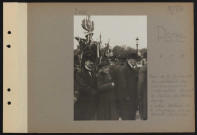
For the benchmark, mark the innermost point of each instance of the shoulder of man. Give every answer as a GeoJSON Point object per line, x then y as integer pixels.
{"type": "Point", "coordinates": [81, 71]}
{"type": "Point", "coordinates": [100, 74]}
{"type": "Point", "coordinates": [123, 67]}
{"type": "Point", "coordinates": [143, 68]}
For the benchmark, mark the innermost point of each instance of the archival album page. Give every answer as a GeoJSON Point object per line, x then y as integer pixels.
{"type": "Point", "coordinates": [104, 67]}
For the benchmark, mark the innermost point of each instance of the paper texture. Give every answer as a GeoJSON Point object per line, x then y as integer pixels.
{"type": "Point", "coordinates": [50, 67]}
{"type": "Point", "coordinates": [10, 69]}
{"type": "Point", "coordinates": [22, 63]}
{"type": "Point", "coordinates": [15, 67]}
{"type": "Point", "coordinates": [41, 73]}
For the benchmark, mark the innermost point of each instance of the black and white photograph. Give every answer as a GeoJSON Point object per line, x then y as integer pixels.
{"type": "Point", "coordinates": [110, 68]}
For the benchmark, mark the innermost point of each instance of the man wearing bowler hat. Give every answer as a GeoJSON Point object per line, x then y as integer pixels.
{"type": "Point", "coordinates": [127, 88]}
{"type": "Point", "coordinates": [86, 80]}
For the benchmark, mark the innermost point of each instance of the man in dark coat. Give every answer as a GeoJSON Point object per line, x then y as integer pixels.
{"type": "Point", "coordinates": [106, 104]}
{"type": "Point", "coordinates": [127, 89]}
{"type": "Point", "coordinates": [76, 68]}
{"type": "Point", "coordinates": [142, 89]}
{"type": "Point", "coordinates": [114, 70]}
{"type": "Point", "coordinates": [86, 80]}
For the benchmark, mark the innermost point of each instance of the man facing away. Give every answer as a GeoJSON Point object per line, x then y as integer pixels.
{"type": "Point", "coordinates": [85, 107]}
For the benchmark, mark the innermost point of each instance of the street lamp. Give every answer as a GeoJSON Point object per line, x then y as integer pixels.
{"type": "Point", "coordinates": [137, 45]}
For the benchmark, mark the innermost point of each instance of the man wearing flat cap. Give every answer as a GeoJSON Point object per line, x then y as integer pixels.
{"type": "Point", "coordinates": [86, 80]}
{"type": "Point", "coordinates": [127, 89]}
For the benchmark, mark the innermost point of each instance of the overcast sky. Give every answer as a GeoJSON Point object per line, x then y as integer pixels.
{"type": "Point", "coordinates": [121, 30]}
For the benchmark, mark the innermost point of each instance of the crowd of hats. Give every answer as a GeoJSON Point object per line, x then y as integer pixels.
{"type": "Point", "coordinates": [89, 56]}
{"type": "Point", "coordinates": [105, 61]}
{"type": "Point", "coordinates": [124, 56]}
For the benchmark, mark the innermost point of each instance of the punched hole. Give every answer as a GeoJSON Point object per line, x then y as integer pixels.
{"type": "Point", "coordinates": [9, 32]}
{"type": "Point", "coordinates": [8, 89]}
{"type": "Point", "coordinates": [9, 103]}
{"type": "Point", "coordinates": [8, 46]}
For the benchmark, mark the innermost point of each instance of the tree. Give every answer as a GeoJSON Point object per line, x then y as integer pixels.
{"type": "Point", "coordinates": [130, 50]}
{"type": "Point", "coordinates": [143, 50]}
{"type": "Point", "coordinates": [117, 50]}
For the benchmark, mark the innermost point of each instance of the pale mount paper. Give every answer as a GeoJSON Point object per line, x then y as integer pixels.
{"type": "Point", "coordinates": [15, 67]}
{"type": "Point", "coordinates": [38, 67]}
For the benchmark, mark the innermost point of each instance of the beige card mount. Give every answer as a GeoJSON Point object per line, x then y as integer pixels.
{"type": "Point", "coordinates": [38, 82]}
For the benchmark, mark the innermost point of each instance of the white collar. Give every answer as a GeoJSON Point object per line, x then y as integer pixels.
{"type": "Point", "coordinates": [130, 65]}
{"type": "Point", "coordinates": [87, 68]}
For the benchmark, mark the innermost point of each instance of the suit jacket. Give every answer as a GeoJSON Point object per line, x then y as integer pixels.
{"type": "Point", "coordinates": [142, 83]}
{"type": "Point", "coordinates": [128, 83]}
{"type": "Point", "coordinates": [114, 71]}
{"type": "Point", "coordinates": [142, 91]}
{"type": "Point", "coordinates": [86, 82]}
{"type": "Point", "coordinates": [107, 109]}
{"type": "Point", "coordinates": [85, 106]}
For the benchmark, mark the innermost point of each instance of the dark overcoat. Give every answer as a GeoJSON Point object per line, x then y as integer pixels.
{"type": "Point", "coordinates": [127, 92]}
{"type": "Point", "coordinates": [75, 84]}
{"type": "Point", "coordinates": [142, 91]}
{"type": "Point", "coordinates": [85, 105]}
{"type": "Point", "coordinates": [106, 107]}
{"type": "Point", "coordinates": [114, 71]}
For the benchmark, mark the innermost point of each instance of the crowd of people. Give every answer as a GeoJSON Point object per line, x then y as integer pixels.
{"type": "Point", "coordinates": [115, 91]}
